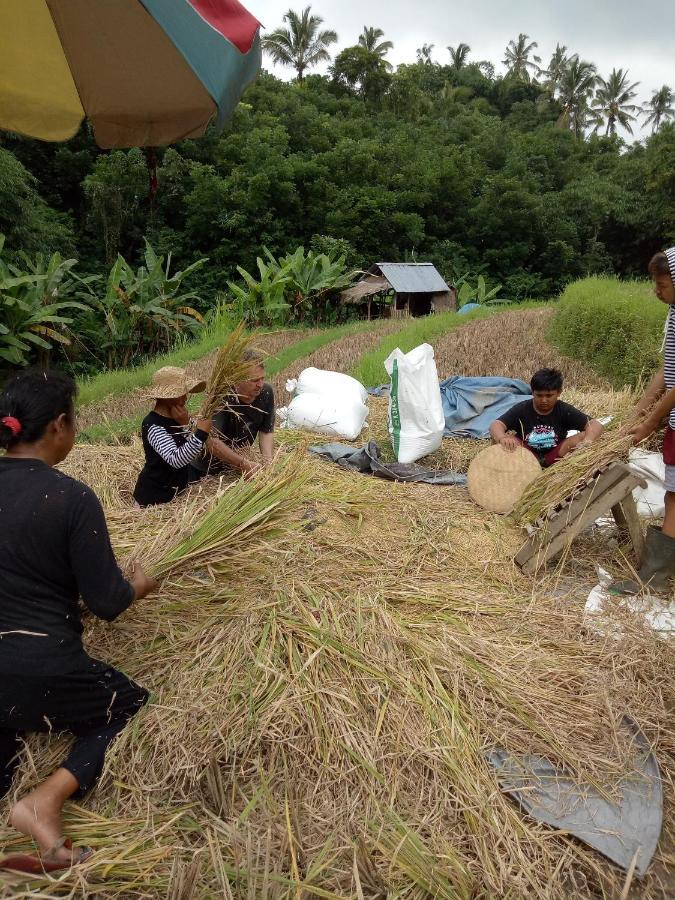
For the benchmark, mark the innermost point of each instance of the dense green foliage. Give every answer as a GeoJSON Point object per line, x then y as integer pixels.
{"type": "Point", "coordinates": [36, 305]}
{"type": "Point", "coordinates": [295, 288]}
{"type": "Point", "coordinates": [49, 313]}
{"type": "Point", "coordinates": [470, 171]}
{"type": "Point", "coordinates": [616, 327]}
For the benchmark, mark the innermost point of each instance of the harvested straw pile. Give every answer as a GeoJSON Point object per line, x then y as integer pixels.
{"type": "Point", "coordinates": [109, 470]}
{"type": "Point", "coordinates": [564, 480]}
{"type": "Point", "coordinates": [322, 698]}
{"type": "Point", "coordinates": [325, 685]}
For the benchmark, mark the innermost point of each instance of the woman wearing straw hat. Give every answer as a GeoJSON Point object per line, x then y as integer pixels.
{"type": "Point", "coordinates": [168, 443]}
{"type": "Point", "coordinates": [54, 549]}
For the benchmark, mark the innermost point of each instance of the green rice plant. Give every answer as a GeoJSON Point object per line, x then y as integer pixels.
{"type": "Point", "coordinates": [614, 326]}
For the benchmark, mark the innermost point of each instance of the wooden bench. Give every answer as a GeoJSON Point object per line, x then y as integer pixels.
{"type": "Point", "coordinates": [610, 491]}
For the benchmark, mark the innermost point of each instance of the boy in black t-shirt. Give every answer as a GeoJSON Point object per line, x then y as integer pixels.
{"type": "Point", "coordinates": [542, 423]}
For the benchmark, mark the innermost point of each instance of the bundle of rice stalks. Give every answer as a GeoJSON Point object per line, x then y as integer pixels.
{"type": "Point", "coordinates": [568, 476]}
{"type": "Point", "coordinates": [203, 532]}
{"type": "Point", "coordinates": [229, 367]}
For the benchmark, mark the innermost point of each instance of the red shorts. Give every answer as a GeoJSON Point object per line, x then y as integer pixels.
{"type": "Point", "coordinates": [548, 458]}
{"type": "Point", "coordinates": [669, 447]}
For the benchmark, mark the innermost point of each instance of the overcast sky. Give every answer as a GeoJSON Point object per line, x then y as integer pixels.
{"type": "Point", "coordinates": [634, 34]}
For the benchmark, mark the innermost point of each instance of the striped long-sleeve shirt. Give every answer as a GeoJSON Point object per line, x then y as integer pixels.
{"type": "Point", "coordinates": [669, 342]}
{"type": "Point", "coordinates": [172, 452]}
{"type": "Point", "coordinates": [169, 449]}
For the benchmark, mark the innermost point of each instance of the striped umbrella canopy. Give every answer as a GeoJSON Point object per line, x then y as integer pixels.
{"type": "Point", "coordinates": [145, 72]}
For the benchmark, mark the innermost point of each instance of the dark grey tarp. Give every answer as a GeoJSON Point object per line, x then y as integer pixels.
{"type": "Point", "coordinates": [367, 460]}
{"type": "Point", "coordinates": [619, 823]}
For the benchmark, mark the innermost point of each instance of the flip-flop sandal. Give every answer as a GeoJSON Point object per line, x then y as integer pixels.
{"type": "Point", "coordinates": [33, 864]}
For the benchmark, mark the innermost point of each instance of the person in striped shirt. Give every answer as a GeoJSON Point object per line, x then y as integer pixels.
{"type": "Point", "coordinates": [169, 443]}
{"type": "Point", "coordinates": [656, 405]}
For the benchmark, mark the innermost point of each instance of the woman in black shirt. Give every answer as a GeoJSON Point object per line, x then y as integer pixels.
{"type": "Point", "coordinates": [54, 549]}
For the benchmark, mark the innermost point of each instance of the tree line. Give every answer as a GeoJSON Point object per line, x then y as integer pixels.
{"type": "Point", "coordinates": [587, 100]}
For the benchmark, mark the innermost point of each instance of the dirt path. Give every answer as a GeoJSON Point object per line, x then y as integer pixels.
{"type": "Point", "coordinates": [511, 344]}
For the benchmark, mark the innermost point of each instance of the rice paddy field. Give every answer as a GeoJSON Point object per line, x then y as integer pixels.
{"type": "Point", "coordinates": [325, 687]}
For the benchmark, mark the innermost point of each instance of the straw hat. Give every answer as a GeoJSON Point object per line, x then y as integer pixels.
{"type": "Point", "coordinates": [498, 477]}
{"type": "Point", "coordinates": [170, 382]}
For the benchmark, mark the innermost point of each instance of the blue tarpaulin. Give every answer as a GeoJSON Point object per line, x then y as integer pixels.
{"type": "Point", "coordinates": [471, 405]}
{"type": "Point", "coordinates": [468, 307]}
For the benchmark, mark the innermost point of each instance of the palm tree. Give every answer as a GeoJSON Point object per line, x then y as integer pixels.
{"type": "Point", "coordinates": [556, 68]}
{"type": "Point", "coordinates": [369, 38]}
{"type": "Point", "coordinates": [517, 58]}
{"type": "Point", "coordinates": [459, 55]}
{"type": "Point", "coordinates": [660, 108]}
{"type": "Point", "coordinates": [613, 101]}
{"type": "Point", "coordinates": [302, 44]}
{"type": "Point", "coordinates": [576, 88]}
{"type": "Point", "coordinates": [424, 54]}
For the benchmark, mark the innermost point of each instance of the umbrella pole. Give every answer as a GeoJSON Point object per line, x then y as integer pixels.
{"type": "Point", "coordinates": [151, 160]}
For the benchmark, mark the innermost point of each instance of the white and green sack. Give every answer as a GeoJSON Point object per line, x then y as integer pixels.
{"type": "Point", "coordinates": [416, 420]}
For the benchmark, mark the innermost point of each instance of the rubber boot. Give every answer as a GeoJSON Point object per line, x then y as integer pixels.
{"type": "Point", "coordinates": [658, 565]}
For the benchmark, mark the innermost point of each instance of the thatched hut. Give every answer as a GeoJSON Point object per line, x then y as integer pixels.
{"type": "Point", "coordinates": [401, 289]}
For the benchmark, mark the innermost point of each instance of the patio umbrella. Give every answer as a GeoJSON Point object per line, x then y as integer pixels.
{"type": "Point", "coordinates": [145, 72]}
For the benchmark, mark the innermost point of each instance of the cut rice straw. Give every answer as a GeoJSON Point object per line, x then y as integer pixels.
{"type": "Point", "coordinates": [230, 367]}
{"type": "Point", "coordinates": [568, 476]}
{"type": "Point", "coordinates": [326, 675]}
{"type": "Point", "coordinates": [202, 532]}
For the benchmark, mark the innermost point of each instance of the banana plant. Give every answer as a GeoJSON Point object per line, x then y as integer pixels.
{"type": "Point", "coordinates": [261, 302]}
{"type": "Point", "coordinates": [141, 311]}
{"type": "Point", "coordinates": [311, 277]}
{"type": "Point", "coordinates": [479, 293]}
{"type": "Point", "coordinates": [32, 302]}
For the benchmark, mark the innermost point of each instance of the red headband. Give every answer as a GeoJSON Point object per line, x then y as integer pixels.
{"type": "Point", "coordinates": [13, 424]}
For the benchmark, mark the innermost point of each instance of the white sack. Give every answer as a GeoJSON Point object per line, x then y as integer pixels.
{"type": "Point", "coordinates": [324, 415]}
{"type": "Point", "coordinates": [650, 500]}
{"type": "Point", "coordinates": [416, 420]}
{"type": "Point", "coordinates": [335, 385]}
{"type": "Point", "coordinates": [603, 610]}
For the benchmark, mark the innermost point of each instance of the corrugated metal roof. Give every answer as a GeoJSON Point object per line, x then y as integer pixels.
{"type": "Point", "coordinates": [413, 278]}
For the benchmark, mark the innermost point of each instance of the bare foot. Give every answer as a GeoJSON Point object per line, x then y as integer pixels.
{"type": "Point", "coordinates": [38, 815]}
